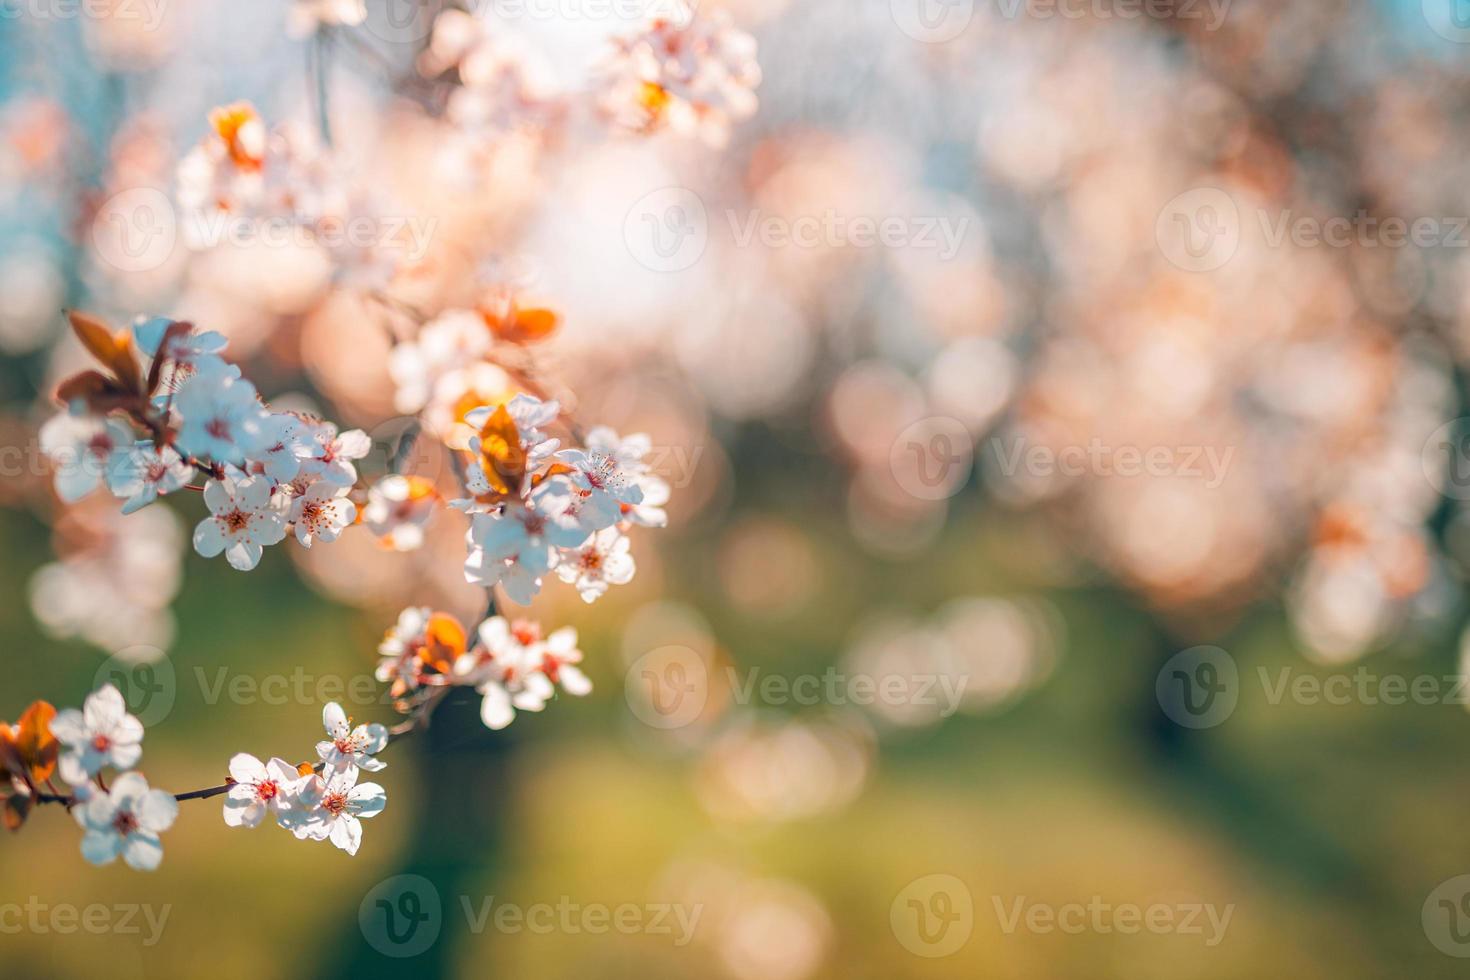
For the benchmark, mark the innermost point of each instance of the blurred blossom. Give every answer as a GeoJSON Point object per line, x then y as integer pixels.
{"type": "Point", "coordinates": [115, 578]}
{"type": "Point", "coordinates": [760, 928]}
{"type": "Point", "coordinates": [768, 567]}
{"type": "Point", "coordinates": [32, 290]}
{"type": "Point", "coordinates": [772, 770]}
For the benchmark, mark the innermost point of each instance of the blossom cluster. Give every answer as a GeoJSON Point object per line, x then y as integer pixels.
{"type": "Point", "coordinates": [692, 73]}
{"type": "Point", "coordinates": [193, 415]}
{"type": "Point", "coordinates": [512, 666]}
{"type": "Point", "coordinates": [322, 802]}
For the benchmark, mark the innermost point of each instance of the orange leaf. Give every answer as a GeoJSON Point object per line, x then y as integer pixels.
{"type": "Point", "coordinates": [525, 326]}
{"type": "Point", "coordinates": [113, 350]}
{"type": "Point", "coordinates": [444, 642]}
{"type": "Point", "coordinates": [35, 746]}
{"type": "Point", "coordinates": [501, 454]}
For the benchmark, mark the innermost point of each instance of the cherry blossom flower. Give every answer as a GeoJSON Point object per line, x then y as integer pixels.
{"type": "Point", "coordinates": [603, 484]}
{"type": "Point", "coordinates": [308, 16]}
{"type": "Point", "coordinates": [221, 418]}
{"type": "Point", "coordinates": [126, 820]}
{"type": "Point", "coordinates": [82, 448]}
{"type": "Point", "coordinates": [184, 354]}
{"type": "Point", "coordinates": [145, 472]}
{"type": "Point", "coordinates": [342, 804]}
{"type": "Point", "coordinates": [630, 454]}
{"type": "Point", "coordinates": [329, 454]}
{"type": "Point", "coordinates": [422, 641]}
{"type": "Point", "coordinates": [246, 517]}
{"type": "Point", "coordinates": [320, 511]}
{"type": "Point", "coordinates": [515, 560]}
{"type": "Point", "coordinates": [506, 671]}
{"type": "Point", "coordinates": [444, 344]}
{"type": "Point", "coordinates": [602, 561]}
{"type": "Point", "coordinates": [101, 734]}
{"type": "Point", "coordinates": [284, 442]}
{"type": "Point", "coordinates": [693, 74]}
{"type": "Point", "coordinates": [529, 414]}
{"type": "Point", "coordinates": [397, 510]}
{"type": "Point", "coordinates": [559, 659]}
{"type": "Point", "coordinates": [262, 788]}
{"type": "Point", "coordinates": [347, 746]}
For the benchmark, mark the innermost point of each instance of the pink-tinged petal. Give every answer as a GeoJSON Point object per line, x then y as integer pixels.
{"type": "Point", "coordinates": [354, 444]}
{"type": "Point", "coordinates": [346, 833]}
{"type": "Point", "coordinates": [246, 768]}
{"type": "Point", "coordinates": [142, 852]}
{"type": "Point", "coordinates": [367, 800]}
{"type": "Point", "coordinates": [494, 632]}
{"type": "Point", "coordinates": [157, 811]}
{"type": "Point", "coordinates": [209, 540]}
{"type": "Point", "coordinates": [253, 494]}
{"type": "Point", "coordinates": [334, 720]}
{"type": "Point", "coordinates": [282, 771]}
{"type": "Point", "coordinates": [69, 727]}
{"type": "Point", "coordinates": [243, 555]}
{"type": "Point", "coordinates": [370, 764]}
{"type": "Point", "coordinates": [241, 806]}
{"type": "Point", "coordinates": [127, 731]}
{"type": "Point", "coordinates": [125, 756]}
{"type": "Point", "coordinates": [96, 813]}
{"type": "Point", "coordinates": [129, 787]}
{"type": "Point", "coordinates": [101, 846]}
{"type": "Point", "coordinates": [495, 710]}
{"type": "Point", "coordinates": [104, 708]}
{"type": "Point", "coordinates": [573, 681]}
{"type": "Point", "coordinates": [373, 738]}
{"type": "Point", "coordinates": [216, 497]}
{"type": "Point", "coordinates": [73, 770]}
